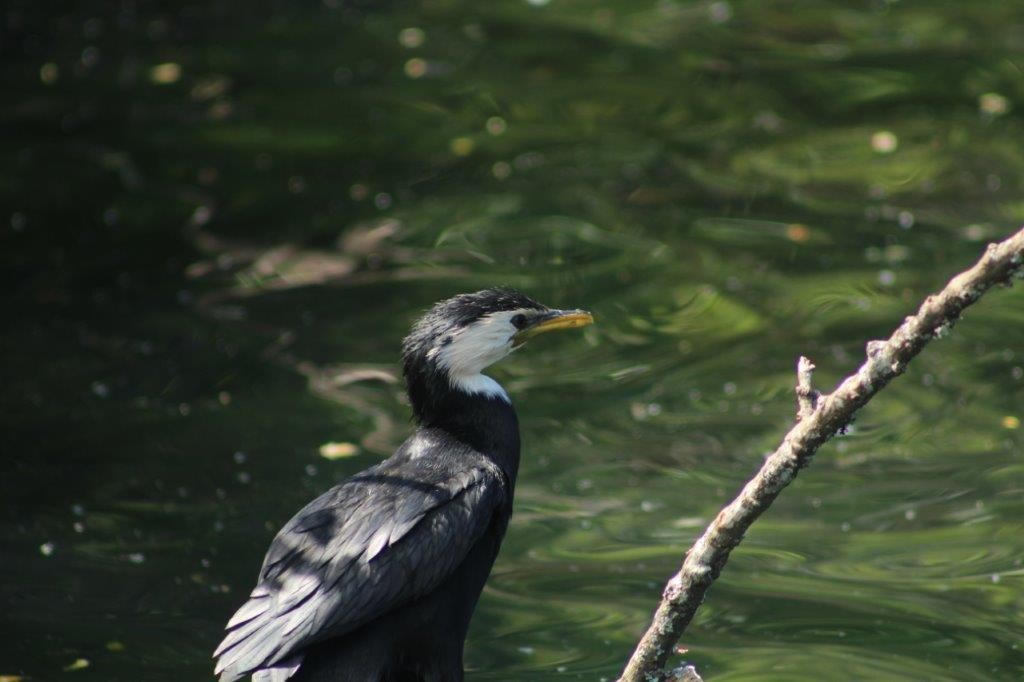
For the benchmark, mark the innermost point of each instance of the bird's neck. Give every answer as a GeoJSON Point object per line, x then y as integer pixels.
{"type": "Point", "coordinates": [484, 420]}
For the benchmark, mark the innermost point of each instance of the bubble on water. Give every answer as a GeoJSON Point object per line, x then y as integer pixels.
{"type": "Point", "coordinates": [719, 12]}
{"type": "Point", "coordinates": [416, 67]}
{"type": "Point", "coordinates": [90, 56]}
{"type": "Point", "coordinates": [382, 201]}
{"type": "Point", "coordinates": [496, 125]}
{"type": "Point", "coordinates": [411, 37]}
{"type": "Point", "coordinates": [358, 191]}
{"type": "Point", "coordinates": [49, 73]}
{"type": "Point", "coordinates": [884, 142]}
{"type": "Point", "coordinates": [501, 170]}
{"type": "Point", "coordinates": [462, 146]}
{"type": "Point", "coordinates": [976, 233]}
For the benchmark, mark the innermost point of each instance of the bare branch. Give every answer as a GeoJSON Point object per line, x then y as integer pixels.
{"type": "Point", "coordinates": [887, 359]}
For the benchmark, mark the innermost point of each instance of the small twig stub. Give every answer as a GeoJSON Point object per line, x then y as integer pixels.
{"type": "Point", "coordinates": [806, 396]}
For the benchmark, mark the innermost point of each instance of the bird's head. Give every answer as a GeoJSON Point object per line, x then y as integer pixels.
{"type": "Point", "coordinates": [451, 345]}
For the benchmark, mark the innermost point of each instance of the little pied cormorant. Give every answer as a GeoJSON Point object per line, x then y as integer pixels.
{"type": "Point", "coordinates": [376, 579]}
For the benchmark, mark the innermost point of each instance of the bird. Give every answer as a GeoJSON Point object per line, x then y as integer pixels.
{"type": "Point", "coordinates": [376, 580]}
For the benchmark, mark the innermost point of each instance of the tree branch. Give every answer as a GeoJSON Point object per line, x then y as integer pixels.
{"type": "Point", "coordinates": [818, 419]}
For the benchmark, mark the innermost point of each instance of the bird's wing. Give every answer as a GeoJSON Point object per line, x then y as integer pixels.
{"type": "Point", "coordinates": [386, 536]}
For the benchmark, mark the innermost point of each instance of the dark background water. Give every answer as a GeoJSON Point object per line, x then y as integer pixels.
{"type": "Point", "coordinates": [219, 219]}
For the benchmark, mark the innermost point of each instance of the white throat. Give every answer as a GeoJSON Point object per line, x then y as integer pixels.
{"type": "Point", "coordinates": [479, 384]}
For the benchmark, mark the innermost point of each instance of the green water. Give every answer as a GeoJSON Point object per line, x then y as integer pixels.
{"type": "Point", "coordinates": [217, 220]}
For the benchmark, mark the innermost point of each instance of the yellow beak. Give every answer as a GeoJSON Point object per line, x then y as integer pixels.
{"type": "Point", "coordinates": [552, 320]}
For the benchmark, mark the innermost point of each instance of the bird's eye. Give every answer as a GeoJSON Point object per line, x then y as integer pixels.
{"type": "Point", "coordinates": [518, 321]}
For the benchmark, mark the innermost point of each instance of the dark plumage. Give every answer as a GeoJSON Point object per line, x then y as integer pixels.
{"type": "Point", "coordinates": [376, 580]}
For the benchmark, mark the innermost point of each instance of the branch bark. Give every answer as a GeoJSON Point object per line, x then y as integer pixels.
{"type": "Point", "coordinates": [819, 418]}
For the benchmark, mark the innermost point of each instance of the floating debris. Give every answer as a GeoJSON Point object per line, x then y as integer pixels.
{"type": "Point", "coordinates": [78, 664]}
{"type": "Point", "coordinates": [993, 104]}
{"type": "Point", "coordinates": [165, 74]}
{"type": "Point", "coordinates": [338, 450]}
{"type": "Point", "coordinates": [798, 233]}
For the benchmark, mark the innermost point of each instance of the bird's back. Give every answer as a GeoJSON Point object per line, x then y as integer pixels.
{"type": "Point", "coordinates": [365, 572]}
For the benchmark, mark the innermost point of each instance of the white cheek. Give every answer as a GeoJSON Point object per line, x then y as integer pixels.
{"type": "Point", "coordinates": [476, 347]}
{"type": "Point", "coordinates": [473, 349]}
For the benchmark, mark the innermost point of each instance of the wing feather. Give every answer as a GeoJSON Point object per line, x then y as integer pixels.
{"type": "Point", "coordinates": [382, 538]}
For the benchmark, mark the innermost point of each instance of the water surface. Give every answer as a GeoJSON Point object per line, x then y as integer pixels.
{"type": "Point", "coordinates": [221, 218]}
